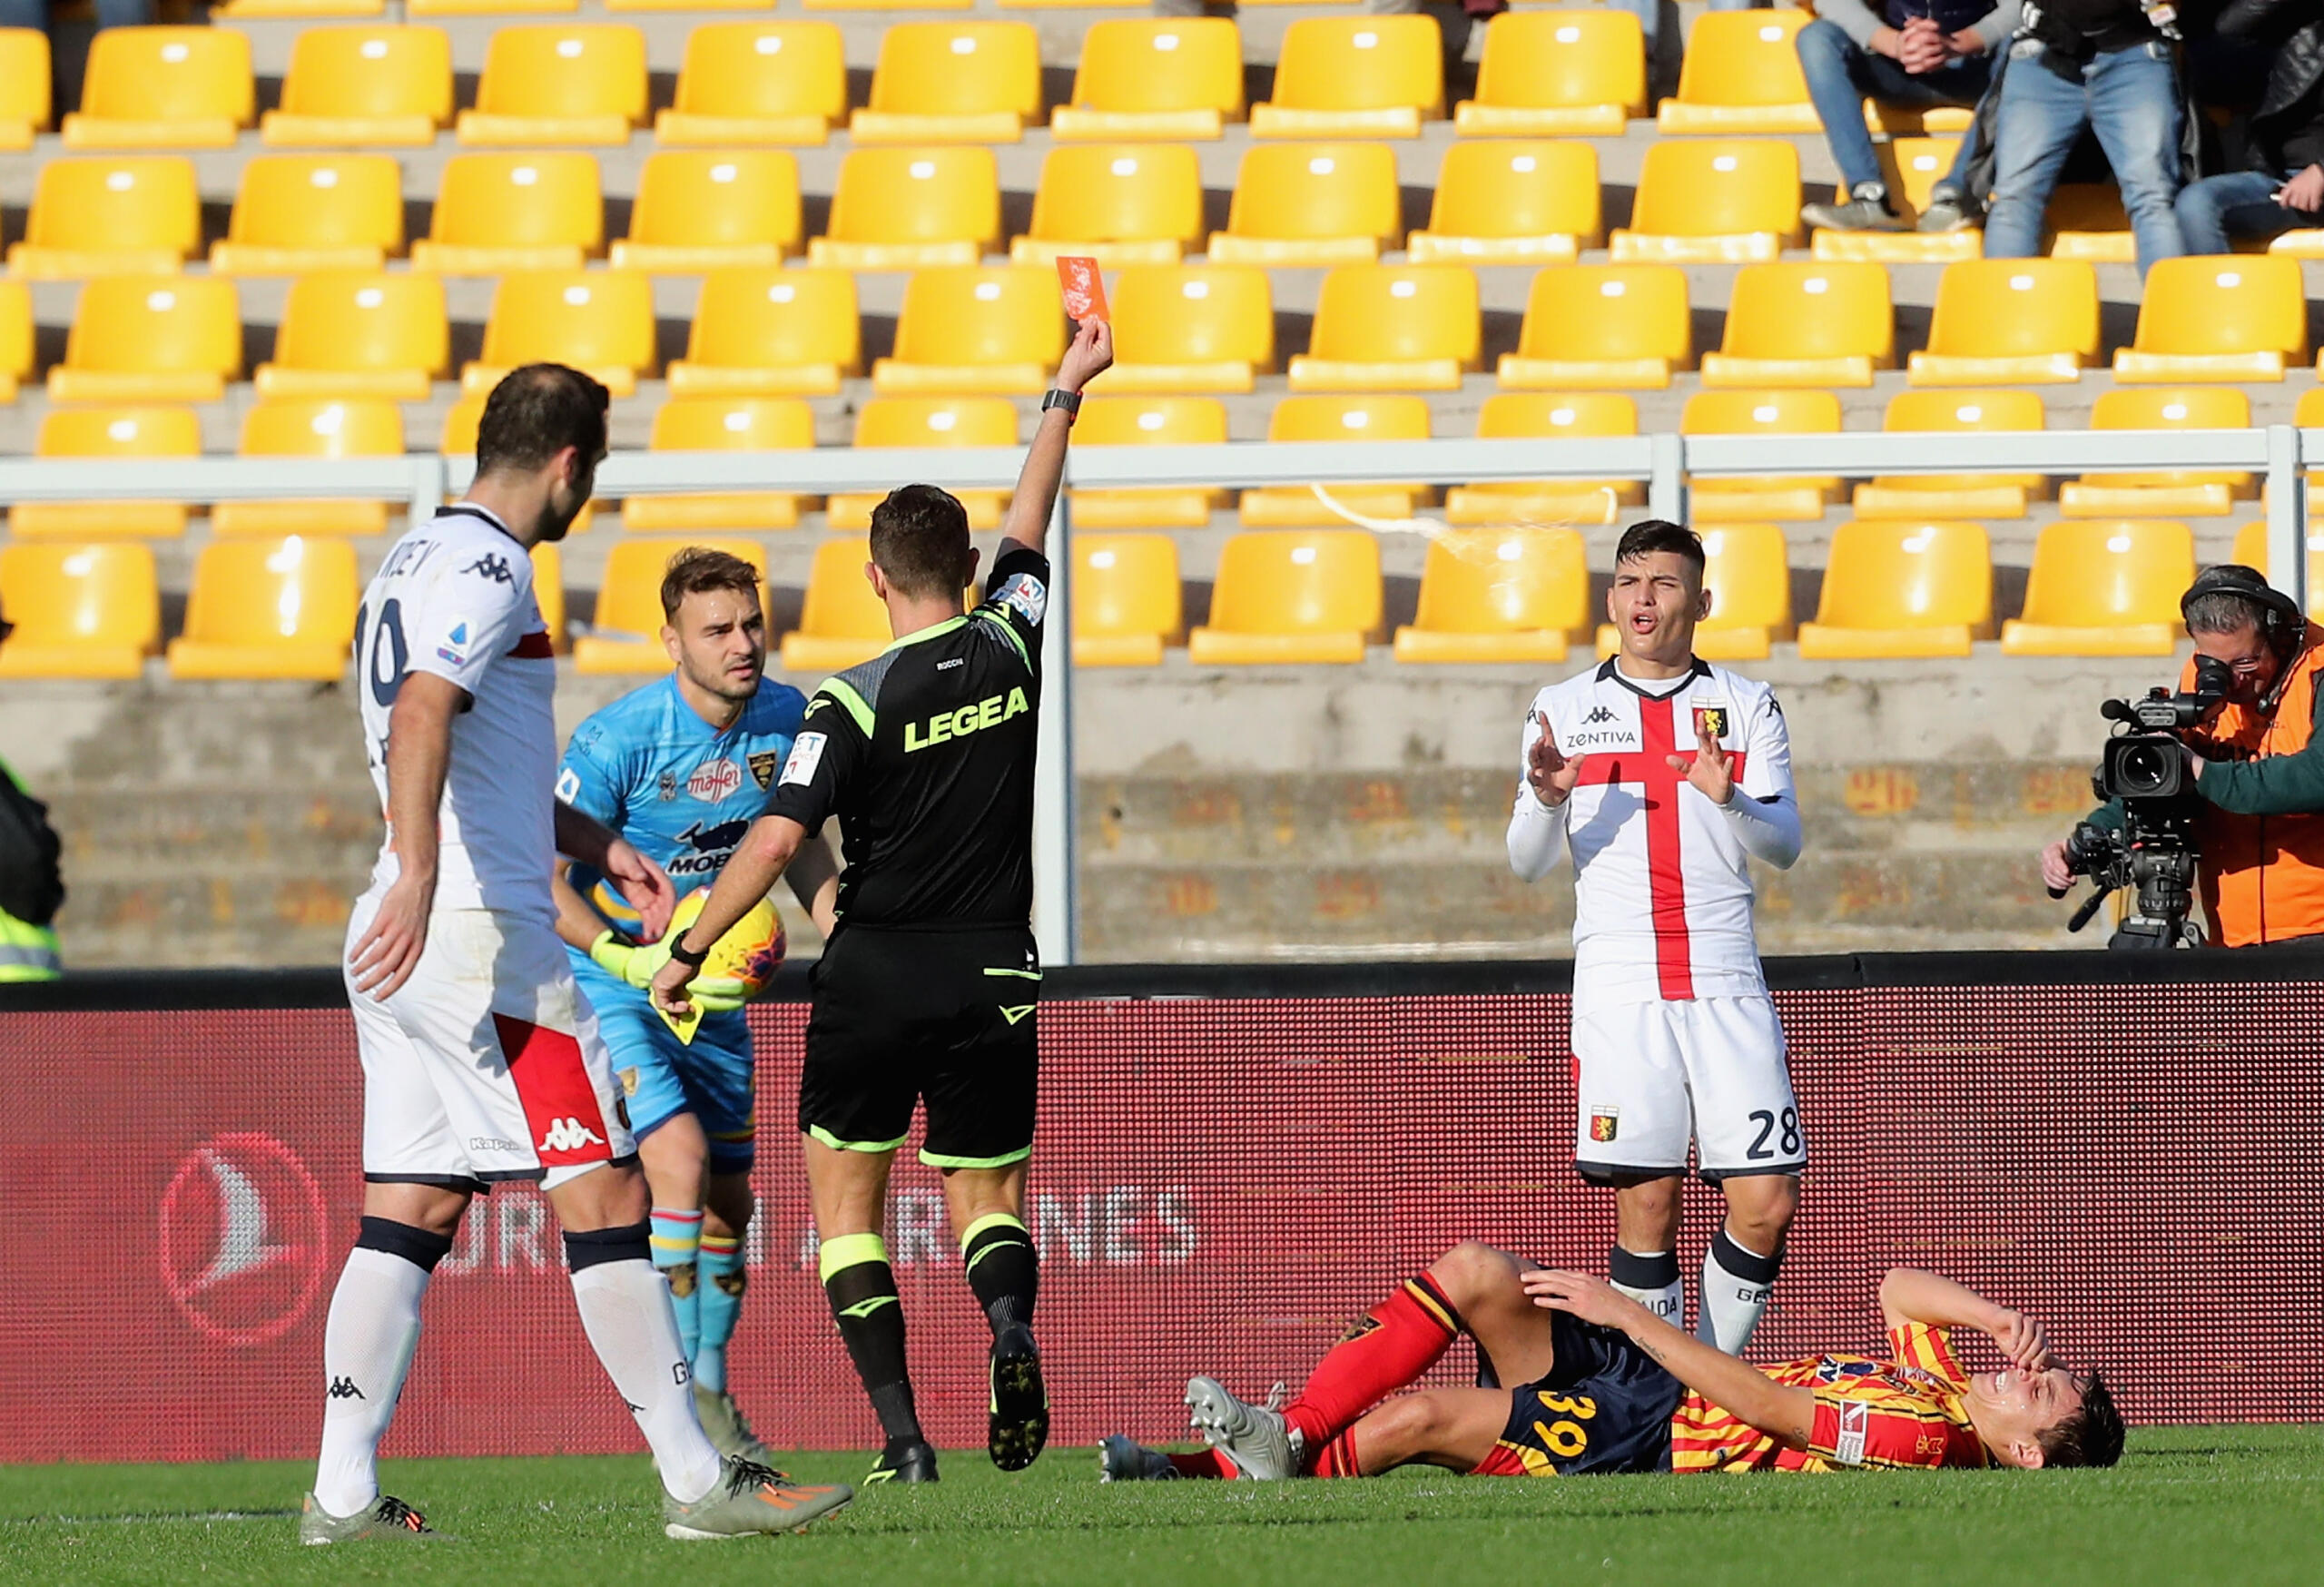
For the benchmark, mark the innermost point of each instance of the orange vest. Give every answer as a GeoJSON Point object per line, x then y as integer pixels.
{"type": "Point", "coordinates": [2261, 877]}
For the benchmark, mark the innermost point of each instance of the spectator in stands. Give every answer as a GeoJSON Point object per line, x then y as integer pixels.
{"type": "Point", "coordinates": [2102, 64]}
{"type": "Point", "coordinates": [1917, 54]}
{"type": "Point", "coordinates": [32, 888]}
{"type": "Point", "coordinates": [69, 56]}
{"type": "Point", "coordinates": [2282, 189]}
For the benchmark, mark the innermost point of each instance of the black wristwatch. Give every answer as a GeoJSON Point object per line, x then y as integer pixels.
{"type": "Point", "coordinates": [1069, 400]}
{"type": "Point", "coordinates": [678, 952]}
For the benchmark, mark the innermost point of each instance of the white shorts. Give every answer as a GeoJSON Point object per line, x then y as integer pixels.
{"type": "Point", "coordinates": [1651, 1075]}
{"type": "Point", "coordinates": [486, 1064]}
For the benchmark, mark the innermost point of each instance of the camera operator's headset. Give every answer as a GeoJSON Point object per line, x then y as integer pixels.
{"type": "Point", "coordinates": [2282, 622]}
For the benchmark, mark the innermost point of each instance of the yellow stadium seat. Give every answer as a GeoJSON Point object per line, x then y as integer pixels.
{"type": "Point", "coordinates": [1894, 588]}
{"type": "Point", "coordinates": [129, 215]}
{"type": "Point", "coordinates": [2251, 550]}
{"type": "Point", "coordinates": [2228, 319]}
{"type": "Point", "coordinates": [2085, 220]}
{"type": "Point", "coordinates": [1593, 326]}
{"type": "Point", "coordinates": [349, 334]}
{"type": "Point", "coordinates": [598, 321]}
{"type": "Point", "coordinates": [548, 590]}
{"type": "Point", "coordinates": [1353, 419]}
{"type": "Point", "coordinates": [744, 82]}
{"type": "Point", "coordinates": [889, 4]}
{"type": "Point", "coordinates": [1556, 74]}
{"type": "Point", "coordinates": [910, 209]}
{"type": "Point", "coordinates": [164, 88]}
{"type": "Point", "coordinates": [1912, 167]}
{"type": "Point", "coordinates": [1311, 205]}
{"type": "Point", "coordinates": [1151, 422]}
{"type": "Point", "coordinates": [1746, 569]}
{"type": "Point", "coordinates": [700, 210]}
{"type": "Point", "coordinates": [558, 84]}
{"type": "Point", "coordinates": [109, 433]}
{"type": "Point", "coordinates": [929, 421]}
{"type": "Point", "coordinates": [1723, 498]}
{"type": "Point", "coordinates": [269, 609]}
{"type": "Point", "coordinates": [771, 334]}
{"type": "Point", "coordinates": [1821, 324]}
{"type": "Point", "coordinates": [151, 338]}
{"type": "Point", "coordinates": [724, 424]}
{"type": "Point", "coordinates": [24, 71]}
{"type": "Point", "coordinates": [307, 426]}
{"type": "Point", "coordinates": [1168, 77]}
{"type": "Point", "coordinates": [298, 10]}
{"type": "Point", "coordinates": [2104, 589]}
{"type": "Point", "coordinates": [17, 343]}
{"type": "Point", "coordinates": [970, 329]}
{"type": "Point", "coordinates": [1190, 328]}
{"type": "Point", "coordinates": [386, 86]}
{"type": "Point", "coordinates": [1742, 75]}
{"type": "Point", "coordinates": [1499, 595]}
{"type": "Point", "coordinates": [1355, 77]}
{"type": "Point", "coordinates": [1292, 596]}
{"type": "Point", "coordinates": [1731, 201]}
{"type": "Point", "coordinates": [626, 635]}
{"type": "Point", "coordinates": [1519, 202]}
{"type": "Point", "coordinates": [1395, 327]}
{"type": "Point", "coordinates": [81, 611]}
{"type": "Point", "coordinates": [1118, 204]}
{"type": "Point", "coordinates": [2184, 493]}
{"type": "Point", "coordinates": [1529, 416]}
{"type": "Point", "coordinates": [500, 212]}
{"type": "Point", "coordinates": [952, 83]}
{"type": "Point", "coordinates": [840, 622]}
{"type": "Point", "coordinates": [489, 7]}
{"type": "Point", "coordinates": [300, 213]}
{"type": "Point", "coordinates": [1931, 497]}
{"type": "Point", "coordinates": [2011, 321]}
{"type": "Point", "coordinates": [1127, 604]}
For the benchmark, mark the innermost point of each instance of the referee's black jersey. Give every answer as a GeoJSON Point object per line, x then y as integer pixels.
{"type": "Point", "coordinates": [925, 754]}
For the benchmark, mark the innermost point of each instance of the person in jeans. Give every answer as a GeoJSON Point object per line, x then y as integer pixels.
{"type": "Point", "coordinates": [1918, 54]}
{"type": "Point", "coordinates": [2282, 189]}
{"type": "Point", "coordinates": [2096, 63]}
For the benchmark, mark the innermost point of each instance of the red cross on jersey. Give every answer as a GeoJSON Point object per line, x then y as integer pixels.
{"type": "Point", "coordinates": [1662, 889]}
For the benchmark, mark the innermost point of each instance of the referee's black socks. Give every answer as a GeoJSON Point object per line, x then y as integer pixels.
{"type": "Point", "coordinates": [862, 1289]}
{"type": "Point", "coordinates": [1003, 1270]}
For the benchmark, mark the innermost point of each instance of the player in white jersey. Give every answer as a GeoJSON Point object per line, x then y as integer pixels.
{"type": "Point", "coordinates": [1664, 776]}
{"type": "Point", "coordinates": [481, 1060]}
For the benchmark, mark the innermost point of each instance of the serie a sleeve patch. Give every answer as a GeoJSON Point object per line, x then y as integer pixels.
{"type": "Point", "coordinates": [806, 755]}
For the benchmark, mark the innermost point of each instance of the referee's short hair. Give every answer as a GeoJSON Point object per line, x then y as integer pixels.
{"type": "Point", "coordinates": [920, 538]}
{"type": "Point", "coordinates": [1649, 536]}
{"type": "Point", "coordinates": [535, 413]}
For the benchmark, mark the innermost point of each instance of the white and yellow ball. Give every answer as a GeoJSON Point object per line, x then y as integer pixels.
{"type": "Point", "coordinates": [750, 952]}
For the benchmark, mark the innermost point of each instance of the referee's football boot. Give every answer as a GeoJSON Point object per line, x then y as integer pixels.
{"type": "Point", "coordinates": [1125, 1460]}
{"type": "Point", "coordinates": [904, 1460]}
{"type": "Point", "coordinates": [1257, 1440]}
{"type": "Point", "coordinates": [1018, 1423]}
{"type": "Point", "coordinates": [749, 1498]}
{"type": "Point", "coordinates": [388, 1518]}
{"type": "Point", "coordinates": [722, 1419]}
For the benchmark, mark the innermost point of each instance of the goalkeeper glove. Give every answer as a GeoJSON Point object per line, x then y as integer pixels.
{"type": "Point", "coordinates": [637, 966]}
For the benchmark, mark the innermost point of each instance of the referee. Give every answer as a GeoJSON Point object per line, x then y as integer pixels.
{"type": "Point", "coordinates": [928, 986]}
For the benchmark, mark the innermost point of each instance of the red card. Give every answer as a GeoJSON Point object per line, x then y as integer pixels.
{"type": "Point", "coordinates": [1084, 289]}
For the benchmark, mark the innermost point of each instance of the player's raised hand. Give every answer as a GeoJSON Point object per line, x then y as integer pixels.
{"type": "Point", "coordinates": [1713, 771]}
{"type": "Point", "coordinates": [386, 953]}
{"type": "Point", "coordinates": [1582, 1295]}
{"type": "Point", "coordinates": [2023, 1341]}
{"type": "Point", "coordinates": [647, 886]}
{"type": "Point", "coordinates": [1548, 773]}
{"type": "Point", "coordinates": [1092, 355]}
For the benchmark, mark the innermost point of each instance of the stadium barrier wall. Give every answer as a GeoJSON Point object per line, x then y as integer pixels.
{"type": "Point", "coordinates": [1232, 1164]}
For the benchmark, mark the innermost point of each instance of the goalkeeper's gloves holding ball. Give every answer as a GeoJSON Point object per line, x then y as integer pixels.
{"type": "Point", "coordinates": [637, 966]}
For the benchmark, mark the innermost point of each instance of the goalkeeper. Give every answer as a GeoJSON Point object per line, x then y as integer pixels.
{"type": "Point", "coordinates": [680, 768]}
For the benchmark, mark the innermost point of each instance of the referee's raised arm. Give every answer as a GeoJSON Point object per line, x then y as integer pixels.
{"type": "Point", "coordinates": [1089, 356]}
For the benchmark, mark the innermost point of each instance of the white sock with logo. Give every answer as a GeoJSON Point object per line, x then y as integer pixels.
{"type": "Point", "coordinates": [368, 1343]}
{"type": "Point", "coordinates": [1737, 1282]}
{"type": "Point", "coordinates": [1652, 1280]}
{"type": "Point", "coordinates": [624, 1307]}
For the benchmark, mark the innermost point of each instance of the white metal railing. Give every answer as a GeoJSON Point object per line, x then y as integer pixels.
{"type": "Point", "coordinates": [1665, 462]}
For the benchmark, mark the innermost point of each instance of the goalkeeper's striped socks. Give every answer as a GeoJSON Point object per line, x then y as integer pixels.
{"type": "Point", "coordinates": [718, 1305]}
{"type": "Point", "coordinates": [676, 1241]}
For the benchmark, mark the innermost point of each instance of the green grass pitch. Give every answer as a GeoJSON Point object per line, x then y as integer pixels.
{"type": "Point", "coordinates": [2188, 1505]}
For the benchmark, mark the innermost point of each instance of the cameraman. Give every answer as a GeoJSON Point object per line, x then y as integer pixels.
{"type": "Point", "coordinates": [2259, 762]}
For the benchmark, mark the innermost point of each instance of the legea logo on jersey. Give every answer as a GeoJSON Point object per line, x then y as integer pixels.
{"type": "Point", "coordinates": [243, 1240]}
{"type": "Point", "coordinates": [968, 719]}
{"type": "Point", "coordinates": [715, 780]}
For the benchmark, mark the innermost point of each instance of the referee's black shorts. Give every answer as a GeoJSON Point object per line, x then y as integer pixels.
{"type": "Point", "coordinates": [947, 1016]}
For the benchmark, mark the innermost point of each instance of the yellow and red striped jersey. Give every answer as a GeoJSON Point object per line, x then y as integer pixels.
{"type": "Point", "coordinates": [1905, 1411]}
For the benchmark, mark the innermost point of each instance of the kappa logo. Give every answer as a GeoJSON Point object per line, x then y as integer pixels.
{"type": "Point", "coordinates": [764, 766]}
{"type": "Point", "coordinates": [343, 1388]}
{"type": "Point", "coordinates": [1602, 714]}
{"type": "Point", "coordinates": [568, 1135]}
{"type": "Point", "coordinates": [491, 566]}
{"type": "Point", "coordinates": [715, 780]}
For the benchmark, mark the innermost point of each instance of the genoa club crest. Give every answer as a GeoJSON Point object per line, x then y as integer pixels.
{"type": "Point", "coordinates": [1710, 719]}
{"type": "Point", "coordinates": [1604, 1123]}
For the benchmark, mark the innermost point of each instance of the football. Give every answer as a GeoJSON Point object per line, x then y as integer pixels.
{"type": "Point", "coordinates": [750, 952]}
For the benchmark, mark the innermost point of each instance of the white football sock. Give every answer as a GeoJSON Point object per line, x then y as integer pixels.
{"type": "Point", "coordinates": [368, 1342]}
{"type": "Point", "coordinates": [1737, 1282]}
{"type": "Point", "coordinates": [625, 1311]}
{"type": "Point", "coordinates": [1651, 1279]}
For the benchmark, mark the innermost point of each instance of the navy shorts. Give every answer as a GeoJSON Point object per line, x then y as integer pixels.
{"type": "Point", "coordinates": [1605, 1407]}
